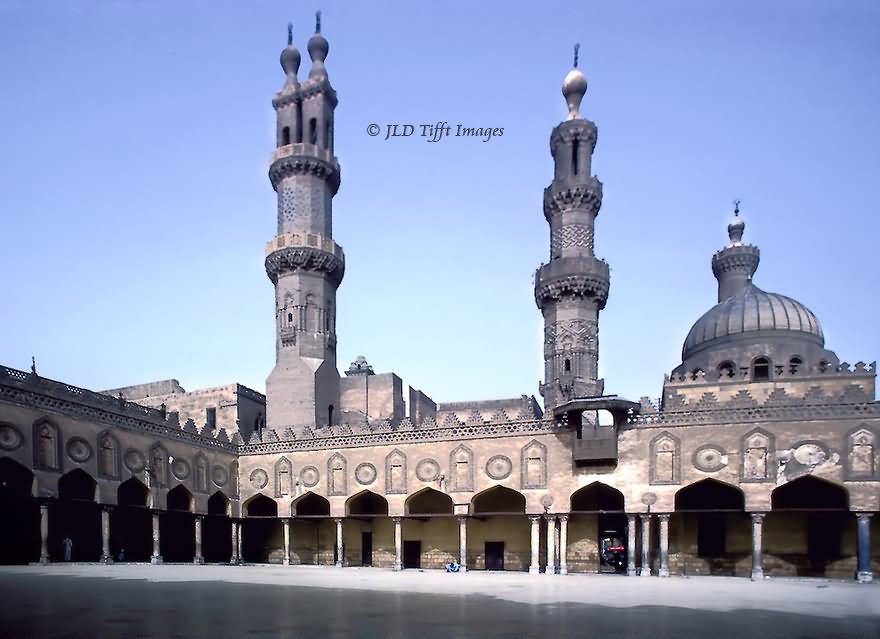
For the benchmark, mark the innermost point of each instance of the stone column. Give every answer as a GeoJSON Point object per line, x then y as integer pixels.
{"type": "Point", "coordinates": [646, 545]}
{"type": "Point", "coordinates": [233, 531]}
{"type": "Point", "coordinates": [563, 544]}
{"type": "Point", "coordinates": [198, 559]}
{"type": "Point", "coordinates": [106, 558]}
{"type": "Point", "coordinates": [44, 533]}
{"type": "Point", "coordinates": [757, 542]}
{"type": "Point", "coordinates": [462, 544]}
{"type": "Point", "coordinates": [535, 565]}
{"type": "Point", "coordinates": [664, 545]}
{"type": "Point", "coordinates": [551, 544]}
{"type": "Point", "coordinates": [631, 545]}
{"type": "Point", "coordinates": [157, 557]}
{"type": "Point", "coordinates": [285, 523]}
{"type": "Point", "coordinates": [239, 533]}
{"type": "Point", "coordinates": [398, 544]}
{"type": "Point", "coordinates": [863, 573]}
{"type": "Point", "coordinates": [339, 558]}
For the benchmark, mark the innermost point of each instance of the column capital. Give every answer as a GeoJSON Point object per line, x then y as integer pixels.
{"type": "Point", "coordinates": [758, 517]}
{"type": "Point", "coordinates": [461, 518]}
{"type": "Point", "coordinates": [549, 516]}
{"type": "Point", "coordinates": [663, 516]}
{"type": "Point", "coordinates": [396, 520]}
{"type": "Point", "coordinates": [863, 516]}
{"type": "Point", "coordinates": [338, 520]}
{"type": "Point", "coordinates": [563, 517]}
{"type": "Point", "coordinates": [645, 516]}
{"type": "Point", "coordinates": [535, 518]}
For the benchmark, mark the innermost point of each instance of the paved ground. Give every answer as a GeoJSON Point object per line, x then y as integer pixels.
{"type": "Point", "coordinates": [324, 602]}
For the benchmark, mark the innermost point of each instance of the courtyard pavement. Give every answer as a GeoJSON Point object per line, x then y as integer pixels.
{"type": "Point", "coordinates": [140, 600]}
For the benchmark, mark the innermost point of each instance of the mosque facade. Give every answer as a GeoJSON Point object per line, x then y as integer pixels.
{"type": "Point", "coordinates": [760, 458]}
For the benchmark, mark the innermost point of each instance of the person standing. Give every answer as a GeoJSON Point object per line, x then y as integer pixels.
{"type": "Point", "coordinates": [67, 543]}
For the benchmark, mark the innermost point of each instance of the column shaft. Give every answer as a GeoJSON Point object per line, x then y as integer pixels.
{"type": "Point", "coordinates": [664, 545]}
{"type": "Point", "coordinates": [757, 545]}
{"type": "Point", "coordinates": [157, 556]}
{"type": "Point", "coordinates": [198, 559]}
{"type": "Point", "coordinates": [106, 558]}
{"type": "Point", "coordinates": [864, 574]}
{"type": "Point", "coordinates": [551, 544]}
{"type": "Point", "coordinates": [462, 543]}
{"type": "Point", "coordinates": [44, 533]}
{"type": "Point", "coordinates": [631, 545]}
{"type": "Point", "coordinates": [339, 549]}
{"type": "Point", "coordinates": [563, 544]}
{"type": "Point", "coordinates": [398, 544]}
{"type": "Point", "coordinates": [234, 531]}
{"type": "Point", "coordinates": [535, 565]}
{"type": "Point", "coordinates": [285, 523]}
{"type": "Point", "coordinates": [646, 545]}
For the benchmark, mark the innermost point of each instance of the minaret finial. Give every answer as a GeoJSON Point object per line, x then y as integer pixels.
{"type": "Point", "coordinates": [317, 22]}
{"type": "Point", "coordinates": [33, 365]}
{"type": "Point", "coordinates": [577, 47]}
{"type": "Point", "coordinates": [737, 225]}
{"type": "Point", "coordinates": [736, 207]}
{"type": "Point", "coordinates": [289, 33]}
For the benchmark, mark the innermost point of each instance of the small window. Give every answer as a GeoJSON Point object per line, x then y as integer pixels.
{"type": "Point", "coordinates": [567, 366]}
{"type": "Point", "coordinates": [327, 134]}
{"type": "Point", "coordinates": [290, 318]}
{"type": "Point", "coordinates": [794, 365]}
{"type": "Point", "coordinates": [727, 369]}
{"type": "Point", "coordinates": [823, 366]}
{"type": "Point", "coordinates": [299, 122]}
{"type": "Point", "coordinates": [761, 369]}
{"type": "Point", "coordinates": [330, 414]}
{"type": "Point", "coordinates": [211, 417]}
{"type": "Point", "coordinates": [575, 148]}
{"type": "Point", "coordinates": [285, 136]}
{"type": "Point", "coordinates": [698, 374]}
{"type": "Point", "coordinates": [313, 131]}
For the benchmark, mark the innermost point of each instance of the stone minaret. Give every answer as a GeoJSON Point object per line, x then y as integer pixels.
{"type": "Point", "coordinates": [572, 288]}
{"type": "Point", "coordinates": [304, 263]}
{"type": "Point", "coordinates": [735, 264]}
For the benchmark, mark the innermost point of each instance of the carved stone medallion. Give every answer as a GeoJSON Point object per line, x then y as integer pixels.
{"type": "Point", "coordinates": [649, 499]}
{"type": "Point", "coordinates": [365, 473]}
{"type": "Point", "coordinates": [78, 449]}
{"type": "Point", "coordinates": [180, 468]}
{"type": "Point", "coordinates": [309, 476]}
{"type": "Point", "coordinates": [219, 475]}
{"type": "Point", "coordinates": [810, 454]}
{"type": "Point", "coordinates": [499, 467]}
{"type": "Point", "coordinates": [10, 437]}
{"type": "Point", "coordinates": [134, 460]}
{"type": "Point", "coordinates": [259, 478]}
{"type": "Point", "coordinates": [428, 470]}
{"type": "Point", "coordinates": [710, 458]}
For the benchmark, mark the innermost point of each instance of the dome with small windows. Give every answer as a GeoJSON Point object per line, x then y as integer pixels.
{"type": "Point", "coordinates": [753, 314]}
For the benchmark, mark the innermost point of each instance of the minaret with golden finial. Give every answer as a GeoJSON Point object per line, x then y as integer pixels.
{"type": "Point", "coordinates": [735, 264]}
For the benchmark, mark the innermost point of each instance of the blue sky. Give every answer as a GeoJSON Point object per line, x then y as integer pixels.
{"type": "Point", "coordinates": [136, 203]}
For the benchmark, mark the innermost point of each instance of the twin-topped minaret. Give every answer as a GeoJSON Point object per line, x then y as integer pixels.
{"type": "Point", "coordinates": [572, 288]}
{"type": "Point", "coordinates": [304, 263]}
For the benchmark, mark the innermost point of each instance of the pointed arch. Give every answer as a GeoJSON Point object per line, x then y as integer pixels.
{"type": "Point", "coordinates": [862, 456]}
{"type": "Point", "coordinates": [109, 459]}
{"type": "Point", "coordinates": [219, 504]}
{"type": "Point", "coordinates": [260, 506]}
{"type": "Point", "coordinates": [498, 499]}
{"type": "Point", "coordinates": [366, 504]}
{"type": "Point", "coordinates": [132, 492]}
{"type": "Point", "coordinates": [758, 456]}
{"type": "Point", "coordinates": [461, 469]}
{"type": "Point", "coordinates": [179, 498]}
{"type": "Point", "coordinates": [596, 497]}
{"type": "Point", "coordinates": [77, 484]}
{"type": "Point", "coordinates": [395, 473]}
{"type": "Point", "coordinates": [665, 459]}
{"type": "Point", "coordinates": [283, 477]}
{"type": "Point", "coordinates": [534, 465]}
{"type": "Point", "coordinates": [16, 480]}
{"type": "Point", "coordinates": [709, 494]}
{"type": "Point", "coordinates": [200, 480]}
{"type": "Point", "coordinates": [809, 493]}
{"type": "Point", "coordinates": [429, 501]}
{"type": "Point", "coordinates": [337, 476]}
{"type": "Point", "coordinates": [47, 445]}
{"type": "Point", "coordinates": [310, 504]}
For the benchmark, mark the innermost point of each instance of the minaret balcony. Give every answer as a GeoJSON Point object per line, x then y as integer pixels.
{"type": "Point", "coordinates": [572, 277]}
{"type": "Point", "coordinates": [304, 159]}
{"type": "Point", "coordinates": [291, 252]}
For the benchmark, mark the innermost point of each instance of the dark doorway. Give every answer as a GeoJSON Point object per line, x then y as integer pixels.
{"type": "Point", "coordinates": [412, 554]}
{"type": "Point", "coordinates": [366, 549]}
{"type": "Point", "coordinates": [612, 542]}
{"type": "Point", "coordinates": [19, 543]}
{"type": "Point", "coordinates": [217, 530]}
{"type": "Point", "coordinates": [259, 529]}
{"type": "Point", "coordinates": [494, 555]}
{"type": "Point", "coordinates": [177, 540]}
{"type": "Point", "coordinates": [77, 516]}
{"type": "Point", "coordinates": [131, 523]}
{"type": "Point", "coordinates": [823, 536]}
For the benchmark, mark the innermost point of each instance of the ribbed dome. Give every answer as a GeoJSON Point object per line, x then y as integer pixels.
{"type": "Point", "coordinates": [748, 311]}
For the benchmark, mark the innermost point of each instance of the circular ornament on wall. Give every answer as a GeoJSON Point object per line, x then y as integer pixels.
{"type": "Point", "coordinates": [499, 467]}
{"type": "Point", "coordinates": [649, 499]}
{"type": "Point", "coordinates": [259, 478]}
{"type": "Point", "coordinates": [710, 458]}
{"type": "Point", "coordinates": [10, 437]}
{"type": "Point", "coordinates": [810, 454]}
{"type": "Point", "coordinates": [180, 468]}
{"type": "Point", "coordinates": [134, 460]}
{"type": "Point", "coordinates": [309, 476]}
{"type": "Point", "coordinates": [428, 470]}
{"type": "Point", "coordinates": [219, 475]}
{"type": "Point", "coordinates": [547, 501]}
{"type": "Point", "coordinates": [365, 473]}
{"type": "Point", "coordinates": [79, 450]}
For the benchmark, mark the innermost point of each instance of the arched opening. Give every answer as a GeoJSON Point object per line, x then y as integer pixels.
{"type": "Point", "coordinates": [314, 536]}
{"type": "Point", "coordinates": [710, 531]}
{"type": "Point", "coordinates": [261, 534]}
{"type": "Point", "coordinates": [809, 531]}
{"type": "Point", "coordinates": [217, 530]}
{"type": "Point", "coordinates": [760, 369]}
{"type": "Point", "coordinates": [285, 136]}
{"type": "Point", "coordinates": [177, 541]}
{"type": "Point", "coordinates": [575, 148]}
{"type": "Point", "coordinates": [131, 524]}
{"type": "Point", "coordinates": [330, 414]}
{"type": "Point", "coordinates": [823, 366]}
{"type": "Point", "coordinates": [429, 502]}
{"type": "Point", "coordinates": [299, 122]}
{"type": "Point", "coordinates": [366, 504]}
{"type": "Point", "coordinates": [566, 366]}
{"type": "Point", "coordinates": [498, 533]}
{"type": "Point", "coordinates": [19, 543]}
{"type": "Point", "coordinates": [313, 131]}
{"type": "Point", "coordinates": [727, 370]}
{"type": "Point", "coordinates": [77, 517]}
{"type": "Point", "coordinates": [794, 365]}
{"type": "Point", "coordinates": [597, 530]}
